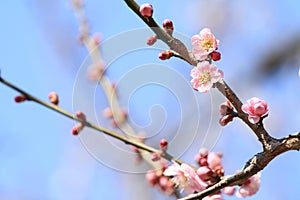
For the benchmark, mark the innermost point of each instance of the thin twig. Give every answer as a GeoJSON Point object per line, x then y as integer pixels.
{"type": "Point", "coordinates": [55, 108]}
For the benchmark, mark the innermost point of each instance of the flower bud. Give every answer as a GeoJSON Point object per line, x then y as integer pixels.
{"type": "Point", "coordinates": [163, 145]}
{"type": "Point", "coordinates": [151, 40]}
{"type": "Point", "coordinates": [204, 173]}
{"type": "Point", "coordinates": [53, 97]}
{"type": "Point", "coordinates": [156, 157]}
{"type": "Point", "coordinates": [164, 55]}
{"type": "Point", "coordinates": [215, 56]}
{"type": "Point", "coordinates": [168, 26]}
{"type": "Point", "coordinates": [146, 10]}
{"type": "Point", "coordinates": [20, 98]}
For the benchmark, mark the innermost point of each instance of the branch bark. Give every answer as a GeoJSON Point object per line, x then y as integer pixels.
{"type": "Point", "coordinates": [272, 147]}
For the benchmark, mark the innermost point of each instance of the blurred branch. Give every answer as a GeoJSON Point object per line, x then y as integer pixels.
{"type": "Point", "coordinates": [283, 53]}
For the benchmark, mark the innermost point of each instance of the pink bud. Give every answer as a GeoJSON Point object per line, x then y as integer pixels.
{"type": "Point", "coordinates": [168, 26]}
{"type": "Point", "coordinates": [226, 108]}
{"type": "Point", "coordinates": [164, 55]}
{"type": "Point", "coordinates": [151, 177]}
{"type": "Point", "coordinates": [96, 70]}
{"type": "Point", "coordinates": [166, 185]}
{"type": "Point", "coordinates": [163, 144]}
{"type": "Point", "coordinates": [77, 128]}
{"type": "Point", "coordinates": [20, 98]}
{"type": "Point", "coordinates": [203, 162]}
{"type": "Point", "coordinates": [146, 10]}
{"type": "Point", "coordinates": [197, 158]}
{"type": "Point", "coordinates": [229, 190]}
{"type": "Point", "coordinates": [53, 97]}
{"type": "Point", "coordinates": [151, 40]}
{"type": "Point", "coordinates": [203, 152]}
{"type": "Point", "coordinates": [107, 112]}
{"type": "Point", "coordinates": [96, 38]}
{"type": "Point", "coordinates": [204, 173]}
{"type": "Point", "coordinates": [81, 116]}
{"type": "Point", "coordinates": [215, 56]}
{"type": "Point", "coordinates": [224, 120]}
{"type": "Point", "coordinates": [155, 157]}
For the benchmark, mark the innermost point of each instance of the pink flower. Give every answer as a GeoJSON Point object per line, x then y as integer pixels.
{"type": "Point", "coordinates": [204, 43]}
{"type": "Point", "coordinates": [185, 178]}
{"type": "Point", "coordinates": [205, 75]}
{"type": "Point", "coordinates": [250, 187]}
{"type": "Point", "coordinates": [146, 10]}
{"type": "Point", "coordinates": [255, 108]}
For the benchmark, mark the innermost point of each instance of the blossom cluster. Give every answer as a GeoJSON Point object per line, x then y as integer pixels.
{"type": "Point", "coordinates": [205, 74]}
{"type": "Point", "coordinates": [189, 180]}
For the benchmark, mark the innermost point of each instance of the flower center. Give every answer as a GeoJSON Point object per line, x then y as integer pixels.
{"type": "Point", "coordinates": [205, 77]}
{"type": "Point", "coordinates": [207, 44]}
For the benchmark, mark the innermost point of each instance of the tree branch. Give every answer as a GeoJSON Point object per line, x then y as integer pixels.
{"type": "Point", "coordinates": [173, 43]}
{"type": "Point", "coordinates": [91, 125]}
{"type": "Point", "coordinates": [272, 147]}
{"type": "Point", "coordinates": [257, 163]}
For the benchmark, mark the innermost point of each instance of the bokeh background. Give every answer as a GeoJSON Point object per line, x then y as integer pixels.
{"type": "Point", "coordinates": [40, 52]}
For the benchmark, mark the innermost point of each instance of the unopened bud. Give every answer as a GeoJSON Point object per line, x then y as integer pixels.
{"type": "Point", "coordinates": [224, 120]}
{"type": "Point", "coordinates": [77, 128]}
{"type": "Point", "coordinates": [204, 173]}
{"type": "Point", "coordinates": [163, 145]}
{"type": "Point", "coordinates": [20, 98]}
{"type": "Point", "coordinates": [155, 157]}
{"type": "Point", "coordinates": [168, 26]}
{"type": "Point", "coordinates": [53, 97]}
{"type": "Point", "coordinates": [151, 40]}
{"type": "Point", "coordinates": [146, 10]}
{"type": "Point", "coordinates": [164, 55]}
{"type": "Point", "coordinates": [215, 56]}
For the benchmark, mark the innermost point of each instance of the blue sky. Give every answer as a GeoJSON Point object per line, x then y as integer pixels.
{"type": "Point", "coordinates": [40, 159]}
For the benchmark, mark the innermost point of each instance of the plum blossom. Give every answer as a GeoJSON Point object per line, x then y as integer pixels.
{"type": "Point", "coordinates": [204, 44]}
{"type": "Point", "coordinates": [205, 75]}
{"type": "Point", "coordinates": [250, 187]}
{"type": "Point", "coordinates": [185, 178]}
{"type": "Point", "coordinates": [255, 108]}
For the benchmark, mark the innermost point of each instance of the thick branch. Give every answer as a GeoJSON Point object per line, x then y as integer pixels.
{"type": "Point", "coordinates": [254, 165]}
